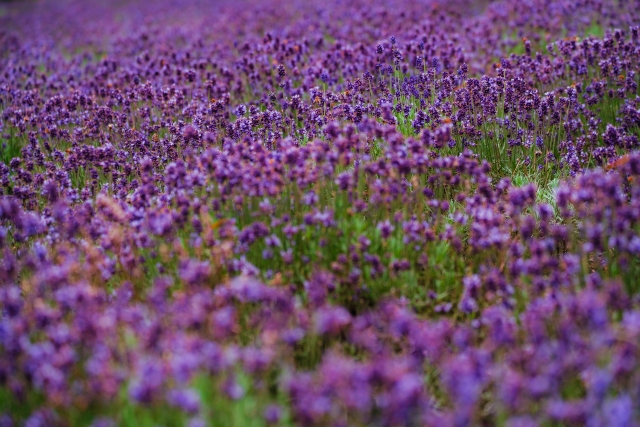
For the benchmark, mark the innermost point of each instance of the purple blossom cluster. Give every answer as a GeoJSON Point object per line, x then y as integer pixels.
{"type": "Point", "coordinates": [320, 213]}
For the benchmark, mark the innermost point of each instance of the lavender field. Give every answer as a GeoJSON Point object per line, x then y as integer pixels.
{"type": "Point", "coordinates": [320, 213]}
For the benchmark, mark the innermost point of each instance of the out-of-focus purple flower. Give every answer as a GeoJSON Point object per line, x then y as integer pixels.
{"type": "Point", "coordinates": [196, 422]}
{"type": "Point", "coordinates": [189, 133]}
{"type": "Point", "coordinates": [103, 422]}
{"type": "Point", "coordinates": [148, 380]}
{"type": "Point", "coordinates": [232, 388]}
{"type": "Point", "coordinates": [522, 421]}
{"type": "Point", "coordinates": [247, 289]}
{"type": "Point", "coordinates": [567, 411]}
{"type": "Point", "coordinates": [186, 399]}
{"type": "Point", "coordinates": [386, 228]}
{"type": "Point", "coordinates": [41, 418]}
{"type": "Point", "coordinates": [619, 411]}
{"type": "Point", "coordinates": [272, 414]}
{"type": "Point", "coordinates": [194, 272]}
{"type": "Point", "coordinates": [331, 319]}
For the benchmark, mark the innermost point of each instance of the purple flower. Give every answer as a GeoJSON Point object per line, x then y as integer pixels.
{"type": "Point", "coordinates": [189, 133]}
{"type": "Point", "coordinates": [147, 381]}
{"type": "Point", "coordinates": [331, 319]}
{"type": "Point", "coordinates": [272, 414]}
{"type": "Point", "coordinates": [619, 411]}
{"type": "Point", "coordinates": [103, 422]}
{"type": "Point", "coordinates": [386, 228]}
{"type": "Point", "coordinates": [186, 399]}
{"type": "Point", "coordinates": [232, 388]}
{"type": "Point", "coordinates": [194, 272]}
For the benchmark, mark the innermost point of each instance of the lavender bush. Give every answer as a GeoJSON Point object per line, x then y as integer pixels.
{"type": "Point", "coordinates": [320, 213]}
